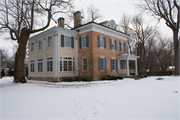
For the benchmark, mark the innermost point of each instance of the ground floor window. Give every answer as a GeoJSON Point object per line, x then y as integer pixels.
{"type": "Point", "coordinates": [113, 64]}
{"type": "Point", "coordinates": [67, 63]}
{"type": "Point", "coordinates": [84, 64]}
{"type": "Point", "coordinates": [40, 65]}
{"type": "Point", "coordinates": [32, 66]}
{"type": "Point", "coordinates": [49, 64]}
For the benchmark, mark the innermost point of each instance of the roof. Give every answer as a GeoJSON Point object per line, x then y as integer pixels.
{"type": "Point", "coordinates": [100, 24]}
{"type": "Point", "coordinates": [127, 57]}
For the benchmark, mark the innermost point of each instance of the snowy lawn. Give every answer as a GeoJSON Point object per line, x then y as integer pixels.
{"type": "Point", "coordinates": [127, 99]}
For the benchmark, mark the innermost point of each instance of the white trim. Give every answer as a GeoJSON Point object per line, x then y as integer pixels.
{"type": "Point", "coordinates": [36, 48]}
{"type": "Point", "coordinates": [55, 65]}
{"type": "Point", "coordinates": [76, 58]}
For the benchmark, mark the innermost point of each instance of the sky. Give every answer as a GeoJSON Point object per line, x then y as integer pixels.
{"type": "Point", "coordinates": [111, 9]}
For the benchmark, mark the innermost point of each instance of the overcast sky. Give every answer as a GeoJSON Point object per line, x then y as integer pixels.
{"type": "Point", "coordinates": [111, 9]}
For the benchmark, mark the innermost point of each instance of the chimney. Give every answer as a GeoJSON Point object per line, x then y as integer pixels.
{"type": "Point", "coordinates": [61, 22]}
{"type": "Point", "coordinates": [77, 18]}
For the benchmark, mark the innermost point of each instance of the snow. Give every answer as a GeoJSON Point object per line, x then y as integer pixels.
{"type": "Point", "coordinates": [127, 99]}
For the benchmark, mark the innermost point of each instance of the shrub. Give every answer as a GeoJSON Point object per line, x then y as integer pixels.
{"type": "Point", "coordinates": [2, 73]}
{"type": "Point", "coordinates": [113, 77]}
{"type": "Point", "coordinates": [67, 79]}
{"type": "Point", "coordinates": [82, 78]}
{"type": "Point", "coordinates": [87, 78]}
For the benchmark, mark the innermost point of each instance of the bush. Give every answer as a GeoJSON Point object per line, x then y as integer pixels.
{"type": "Point", "coordinates": [143, 75]}
{"type": "Point", "coordinates": [113, 77]}
{"type": "Point", "coordinates": [72, 79]}
{"type": "Point", "coordinates": [2, 73]}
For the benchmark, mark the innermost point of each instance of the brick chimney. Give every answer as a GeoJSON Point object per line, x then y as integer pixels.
{"type": "Point", "coordinates": [61, 22]}
{"type": "Point", "coordinates": [77, 18]}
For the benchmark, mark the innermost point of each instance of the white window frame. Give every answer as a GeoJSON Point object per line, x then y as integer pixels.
{"type": "Point", "coordinates": [114, 66]}
{"type": "Point", "coordinates": [32, 47]}
{"type": "Point", "coordinates": [49, 46]}
{"type": "Point", "coordinates": [101, 42]}
{"type": "Point", "coordinates": [84, 65]}
{"type": "Point", "coordinates": [66, 41]}
{"type": "Point", "coordinates": [49, 60]}
{"type": "Point", "coordinates": [67, 59]}
{"type": "Point", "coordinates": [83, 40]}
{"type": "Point", "coordinates": [40, 62]}
{"type": "Point", "coordinates": [113, 44]}
{"type": "Point", "coordinates": [39, 45]}
{"type": "Point", "coordinates": [32, 62]}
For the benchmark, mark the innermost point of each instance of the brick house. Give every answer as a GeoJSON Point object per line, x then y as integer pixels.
{"type": "Point", "coordinates": [93, 49]}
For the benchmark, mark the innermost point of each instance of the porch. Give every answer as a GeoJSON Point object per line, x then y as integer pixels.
{"type": "Point", "coordinates": [127, 64]}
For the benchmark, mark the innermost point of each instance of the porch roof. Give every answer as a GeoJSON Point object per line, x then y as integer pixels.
{"type": "Point", "coordinates": [127, 57]}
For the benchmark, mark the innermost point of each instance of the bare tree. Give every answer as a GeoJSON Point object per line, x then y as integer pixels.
{"type": "Point", "coordinates": [144, 33]}
{"type": "Point", "coordinates": [21, 17]}
{"type": "Point", "coordinates": [169, 11]}
{"type": "Point", "coordinates": [124, 25]}
{"type": "Point", "coordinates": [93, 13]}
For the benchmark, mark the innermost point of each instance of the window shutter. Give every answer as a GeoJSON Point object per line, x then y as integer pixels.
{"type": "Point", "coordinates": [98, 41]}
{"type": "Point", "coordinates": [62, 40]}
{"type": "Point", "coordinates": [105, 61]}
{"type": "Point", "coordinates": [87, 40]}
{"type": "Point", "coordinates": [116, 65]}
{"type": "Point", "coordinates": [99, 63]}
{"type": "Point", "coordinates": [124, 47]}
{"type": "Point", "coordinates": [80, 43]}
{"type": "Point", "coordinates": [111, 65]}
{"type": "Point", "coordinates": [120, 46]}
{"type": "Point", "coordinates": [110, 44]}
{"type": "Point", "coordinates": [72, 42]}
{"type": "Point", "coordinates": [115, 45]}
{"type": "Point", "coordinates": [104, 42]}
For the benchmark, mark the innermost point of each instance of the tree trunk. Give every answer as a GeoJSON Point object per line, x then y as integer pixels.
{"type": "Point", "coordinates": [176, 52]}
{"type": "Point", "coordinates": [19, 74]}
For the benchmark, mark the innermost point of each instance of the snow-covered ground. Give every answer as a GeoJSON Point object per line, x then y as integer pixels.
{"type": "Point", "coordinates": [127, 99]}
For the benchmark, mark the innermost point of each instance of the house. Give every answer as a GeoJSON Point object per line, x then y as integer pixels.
{"type": "Point", "coordinates": [91, 49]}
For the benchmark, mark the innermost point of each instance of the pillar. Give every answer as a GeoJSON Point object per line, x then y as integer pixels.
{"type": "Point", "coordinates": [127, 67]}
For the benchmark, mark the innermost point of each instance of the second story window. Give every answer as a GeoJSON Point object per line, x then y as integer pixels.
{"type": "Point", "coordinates": [122, 46]}
{"type": "Point", "coordinates": [32, 47]}
{"type": "Point", "coordinates": [67, 41]}
{"type": "Point", "coordinates": [49, 42]}
{"type": "Point", "coordinates": [113, 44]}
{"type": "Point", "coordinates": [101, 42]}
{"type": "Point", "coordinates": [84, 42]}
{"type": "Point", "coordinates": [40, 45]}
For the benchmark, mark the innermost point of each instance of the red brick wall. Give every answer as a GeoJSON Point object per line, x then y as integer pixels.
{"type": "Point", "coordinates": [93, 52]}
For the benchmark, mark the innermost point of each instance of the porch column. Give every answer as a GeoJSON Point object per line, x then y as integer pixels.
{"type": "Point", "coordinates": [136, 66]}
{"type": "Point", "coordinates": [127, 67]}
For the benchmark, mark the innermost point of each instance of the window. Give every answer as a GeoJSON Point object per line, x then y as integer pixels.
{"type": "Point", "coordinates": [84, 42]}
{"type": "Point", "coordinates": [40, 65]}
{"type": "Point", "coordinates": [67, 41]}
{"type": "Point", "coordinates": [113, 64]}
{"type": "Point", "coordinates": [40, 45]}
{"type": "Point", "coordinates": [122, 47]}
{"type": "Point", "coordinates": [49, 44]}
{"type": "Point", "coordinates": [32, 47]}
{"type": "Point", "coordinates": [84, 64]}
{"type": "Point", "coordinates": [49, 64]}
{"type": "Point", "coordinates": [67, 63]}
{"type": "Point", "coordinates": [32, 66]}
{"type": "Point", "coordinates": [113, 44]}
{"type": "Point", "coordinates": [101, 42]}
{"type": "Point", "coordinates": [102, 64]}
